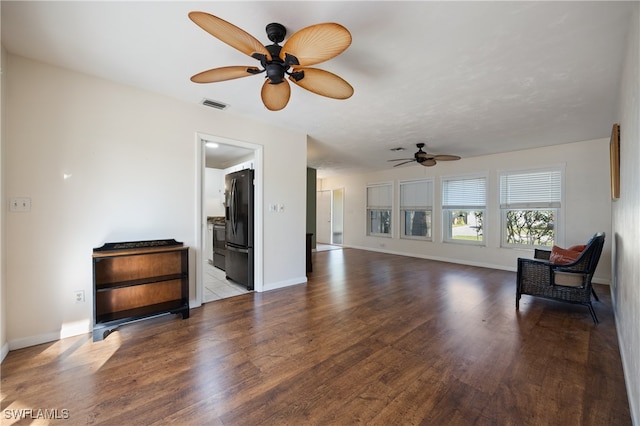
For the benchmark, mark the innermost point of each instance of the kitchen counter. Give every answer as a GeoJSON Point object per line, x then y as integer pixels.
{"type": "Point", "coordinates": [216, 220]}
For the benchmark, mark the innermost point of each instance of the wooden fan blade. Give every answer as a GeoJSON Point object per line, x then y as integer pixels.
{"type": "Point", "coordinates": [223, 74]}
{"type": "Point", "coordinates": [230, 34]}
{"type": "Point", "coordinates": [323, 83]}
{"type": "Point", "coordinates": [429, 162]}
{"type": "Point", "coordinates": [403, 159]}
{"type": "Point", "coordinates": [315, 44]}
{"type": "Point", "coordinates": [446, 157]}
{"type": "Point", "coordinates": [275, 96]}
{"type": "Point", "coordinates": [400, 164]}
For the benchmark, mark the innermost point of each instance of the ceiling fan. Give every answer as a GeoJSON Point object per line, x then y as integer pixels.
{"type": "Point", "coordinates": [425, 159]}
{"type": "Point", "coordinates": [309, 46]}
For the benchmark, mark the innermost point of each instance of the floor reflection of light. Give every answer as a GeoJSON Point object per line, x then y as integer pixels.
{"type": "Point", "coordinates": [81, 350]}
{"type": "Point", "coordinates": [462, 292]}
{"type": "Point", "coordinates": [338, 274]}
{"type": "Point", "coordinates": [74, 352]}
{"type": "Point", "coordinates": [110, 346]}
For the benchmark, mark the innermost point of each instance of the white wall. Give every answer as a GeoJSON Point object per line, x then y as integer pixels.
{"type": "Point", "coordinates": [625, 212]}
{"type": "Point", "coordinates": [586, 204]}
{"type": "Point", "coordinates": [4, 346]}
{"type": "Point", "coordinates": [132, 160]}
{"type": "Point", "coordinates": [214, 192]}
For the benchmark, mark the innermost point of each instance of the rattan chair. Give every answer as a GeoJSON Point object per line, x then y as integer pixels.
{"type": "Point", "coordinates": [567, 283]}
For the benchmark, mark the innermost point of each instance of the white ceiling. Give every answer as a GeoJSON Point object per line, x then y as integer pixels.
{"type": "Point", "coordinates": [466, 78]}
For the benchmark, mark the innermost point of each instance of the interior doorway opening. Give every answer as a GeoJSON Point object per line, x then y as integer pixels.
{"type": "Point", "coordinates": [330, 216]}
{"type": "Point", "coordinates": [218, 157]}
{"type": "Point", "coordinates": [337, 222]}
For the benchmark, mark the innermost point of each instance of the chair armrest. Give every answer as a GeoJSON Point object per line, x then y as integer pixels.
{"type": "Point", "coordinates": [563, 268]}
{"type": "Point", "coordinates": [534, 270]}
{"type": "Point", "coordinates": [542, 254]}
{"type": "Point", "coordinates": [538, 262]}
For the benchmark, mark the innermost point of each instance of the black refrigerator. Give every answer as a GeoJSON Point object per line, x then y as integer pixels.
{"type": "Point", "coordinates": [239, 227]}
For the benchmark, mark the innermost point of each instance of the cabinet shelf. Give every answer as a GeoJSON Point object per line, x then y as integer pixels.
{"type": "Point", "coordinates": [136, 280]}
{"type": "Point", "coordinates": [139, 281]}
{"type": "Point", "coordinates": [142, 312]}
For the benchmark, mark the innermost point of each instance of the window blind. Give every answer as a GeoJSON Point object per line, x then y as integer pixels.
{"type": "Point", "coordinates": [524, 190]}
{"type": "Point", "coordinates": [379, 197]}
{"type": "Point", "coordinates": [416, 195]}
{"type": "Point", "coordinates": [464, 193]}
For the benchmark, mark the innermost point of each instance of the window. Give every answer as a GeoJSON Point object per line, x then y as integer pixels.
{"type": "Point", "coordinates": [463, 208]}
{"type": "Point", "coordinates": [530, 202]}
{"type": "Point", "coordinates": [379, 204]}
{"type": "Point", "coordinates": [416, 201]}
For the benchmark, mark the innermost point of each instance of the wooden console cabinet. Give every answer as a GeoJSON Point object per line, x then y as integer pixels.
{"type": "Point", "coordinates": [136, 280]}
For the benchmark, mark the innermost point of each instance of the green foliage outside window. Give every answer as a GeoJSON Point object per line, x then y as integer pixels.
{"type": "Point", "coordinates": [467, 225]}
{"type": "Point", "coordinates": [530, 227]}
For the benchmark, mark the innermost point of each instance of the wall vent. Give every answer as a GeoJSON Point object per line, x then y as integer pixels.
{"type": "Point", "coordinates": [214, 104]}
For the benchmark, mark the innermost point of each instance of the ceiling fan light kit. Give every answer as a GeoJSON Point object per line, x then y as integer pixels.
{"type": "Point", "coordinates": [309, 46]}
{"type": "Point", "coordinates": [424, 159]}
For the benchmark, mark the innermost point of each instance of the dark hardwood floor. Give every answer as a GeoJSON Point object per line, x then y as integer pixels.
{"type": "Point", "coordinates": [372, 338]}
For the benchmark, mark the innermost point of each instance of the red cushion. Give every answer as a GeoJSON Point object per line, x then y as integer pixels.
{"type": "Point", "coordinates": [562, 256]}
{"type": "Point", "coordinates": [579, 247]}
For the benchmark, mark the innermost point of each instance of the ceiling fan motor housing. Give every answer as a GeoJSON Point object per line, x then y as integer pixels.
{"type": "Point", "coordinates": [275, 68]}
{"type": "Point", "coordinates": [276, 32]}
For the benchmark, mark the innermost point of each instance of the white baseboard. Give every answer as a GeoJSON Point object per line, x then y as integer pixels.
{"type": "Point", "coordinates": [25, 342]}
{"type": "Point", "coordinates": [438, 258]}
{"type": "Point", "coordinates": [282, 284]}
{"type": "Point", "coordinates": [71, 329]}
{"type": "Point", "coordinates": [4, 351]}
{"type": "Point", "coordinates": [514, 268]}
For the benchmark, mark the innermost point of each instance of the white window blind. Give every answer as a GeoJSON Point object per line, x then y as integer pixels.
{"type": "Point", "coordinates": [379, 197]}
{"type": "Point", "coordinates": [523, 190]}
{"type": "Point", "coordinates": [416, 195]}
{"type": "Point", "coordinates": [464, 193]}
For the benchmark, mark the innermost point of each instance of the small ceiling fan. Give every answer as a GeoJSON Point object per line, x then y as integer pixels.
{"type": "Point", "coordinates": [309, 46]}
{"type": "Point", "coordinates": [425, 159]}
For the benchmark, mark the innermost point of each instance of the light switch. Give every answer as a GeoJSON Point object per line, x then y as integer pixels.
{"type": "Point", "coordinates": [22, 204]}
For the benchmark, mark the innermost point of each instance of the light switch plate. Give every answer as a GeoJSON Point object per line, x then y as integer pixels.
{"type": "Point", "coordinates": [21, 204]}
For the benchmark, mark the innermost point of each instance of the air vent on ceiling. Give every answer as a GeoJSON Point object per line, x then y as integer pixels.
{"type": "Point", "coordinates": [214, 104]}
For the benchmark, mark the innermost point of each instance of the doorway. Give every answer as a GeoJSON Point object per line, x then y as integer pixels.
{"type": "Point", "coordinates": [337, 210]}
{"type": "Point", "coordinates": [217, 157]}
{"type": "Point", "coordinates": [330, 216]}
{"type": "Point", "coordinates": [323, 221]}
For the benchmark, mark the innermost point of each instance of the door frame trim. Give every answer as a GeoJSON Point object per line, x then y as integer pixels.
{"type": "Point", "coordinates": [201, 217]}
{"type": "Point", "coordinates": [318, 198]}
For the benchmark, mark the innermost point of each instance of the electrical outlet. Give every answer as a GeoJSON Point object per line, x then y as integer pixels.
{"type": "Point", "coordinates": [79, 295]}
